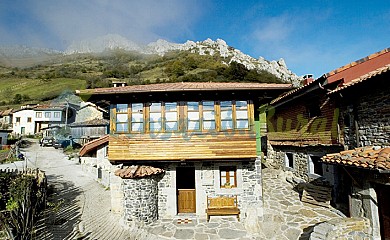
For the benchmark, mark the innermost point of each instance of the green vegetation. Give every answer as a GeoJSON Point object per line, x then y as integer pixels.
{"type": "Point", "coordinates": [44, 82]}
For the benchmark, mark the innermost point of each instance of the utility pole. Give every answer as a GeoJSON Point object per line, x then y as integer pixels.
{"type": "Point", "coordinates": [66, 113]}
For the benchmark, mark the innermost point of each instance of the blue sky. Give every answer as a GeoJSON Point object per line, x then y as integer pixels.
{"type": "Point", "coordinates": [312, 36]}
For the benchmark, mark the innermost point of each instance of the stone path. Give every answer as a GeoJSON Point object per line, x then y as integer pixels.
{"type": "Point", "coordinates": [84, 209]}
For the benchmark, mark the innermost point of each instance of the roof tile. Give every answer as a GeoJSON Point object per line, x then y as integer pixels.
{"type": "Point", "coordinates": [138, 171]}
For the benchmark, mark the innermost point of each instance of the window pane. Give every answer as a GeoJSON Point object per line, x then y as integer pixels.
{"type": "Point", "coordinates": [122, 127]}
{"type": "Point", "coordinates": [193, 125]}
{"type": "Point", "coordinates": [155, 126]}
{"type": "Point", "coordinates": [209, 115]}
{"type": "Point", "coordinates": [121, 117]}
{"type": "Point", "coordinates": [242, 124]}
{"type": "Point", "coordinates": [193, 115]}
{"type": "Point", "coordinates": [137, 117]}
{"type": "Point", "coordinates": [241, 104]}
{"type": "Point", "coordinates": [171, 116]}
{"type": "Point", "coordinates": [223, 181]}
{"type": "Point", "coordinates": [154, 117]}
{"type": "Point", "coordinates": [155, 107]}
{"type": "Point", "coordinates": [226, 115]}
{"type": "Point", "coordinates": [171, 125]}
{"type": "Point", "coordinates": [121, 108]}
{"type": "Point", "coordinates": [208, 124]}
{"type": "Point", "coordinates": [242, 114]}
{"type": "Point", "coordinates": [208, 105]}
{"type": "Point", "coordinates": [226, 105]}
{"type": "Point", "coordinates": [137, 107]}
{"type": "Point", "coordinates": [137, 127]}
{"type": "Point", "coordinates": [226, 124]}
{"type": "Point", "coordinates": [193, 106]}
{"type": "Point", "coordinates": [223, 173]}
{"type": "Point", "coordinates": [169, 107]}
{"type": "Point", "coordinates": [231, 179]}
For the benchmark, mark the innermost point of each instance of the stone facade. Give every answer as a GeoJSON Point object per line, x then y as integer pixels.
{"type": "Point", "coordinates": [207, 180]}
{"type": "Point", "coordinates": [368, 119]}
{"type": "Point", "coordinates": [140, 199]}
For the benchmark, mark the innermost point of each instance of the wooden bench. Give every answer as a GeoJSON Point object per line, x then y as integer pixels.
{"type": "Point", "coordinates": [222, 205]}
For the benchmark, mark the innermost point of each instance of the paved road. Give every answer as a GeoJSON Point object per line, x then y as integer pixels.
{"type": "Point", "coordinates": [83, 204]}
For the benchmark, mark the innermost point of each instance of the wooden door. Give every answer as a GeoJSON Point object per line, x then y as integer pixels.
{"type": "Point", "coordinates": [186, 201]}
{"type": "Point", "coordinates": [186, 193]}
{"type": "Point", "coordinates": [384, 211]}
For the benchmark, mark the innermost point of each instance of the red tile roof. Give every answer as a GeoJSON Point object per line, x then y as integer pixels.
{"type": "Point", "coordinates": [364, 157]}
{"type": "Point", "coordinates": [93, 145]}
{"type": "Point", "coordinates": [138, 171]}
{"type": "Point", "coordinates": [185, 86]}
{"type": "Point", "coordinates": [363, 78]}
{"type": "Point", "coordinates": [361, 67]}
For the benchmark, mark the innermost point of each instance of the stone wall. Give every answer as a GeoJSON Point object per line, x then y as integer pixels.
{"type": "Point", "coordinates": [140, 199]}
{"type": "Point", "coordinates": [371, 112]}
{"type": "Point", "coordinates": [207, 180]}
{"type": "Point", "coordinates": [342, 229]}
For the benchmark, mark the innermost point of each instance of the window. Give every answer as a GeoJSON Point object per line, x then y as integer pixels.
{"type": "Point", "coordinates": [289, 160]}
{"type": "Point", "coordinates": [208, 115]}
{"type": "Point", "coordinates": [38, 114]}
{"type": "Point", "coordinates": [228, 177]}
{"type": "Point", "coordinates": [155, 117]}
{"type": "Point", "coordinates": [137, 117]}
{"type": "Point", "coordinates": [18, 119]}
{"type": "Point", "coordinates": [171, 116]}
{"type": "Point", "coordinates": [226, 115]}
{"type": "Point", "coordinates": [57, 114]}
{"type": "Point", "coordinates": [315, 165]}
{"type": "Point", "coordinates": [242, 115]}
{"type": "Point", "coordinates": [122, 117]}
{"type": "Point", "coordinates": [47, 114]}
{"type": "Point", "coordinates": [193, 119]}
{"type": "Point", "coordinates": [314, 110]}
{"type": "Point", "coordinates": [28, 119]}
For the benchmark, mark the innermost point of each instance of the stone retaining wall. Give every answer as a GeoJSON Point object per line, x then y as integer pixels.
{"type": "Point", "coordinates": [342, 229]}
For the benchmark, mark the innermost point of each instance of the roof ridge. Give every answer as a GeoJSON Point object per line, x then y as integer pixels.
{"type": "Point", "coordinates": [357, 62]}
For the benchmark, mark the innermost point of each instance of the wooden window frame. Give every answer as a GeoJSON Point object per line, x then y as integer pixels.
{"type": "Point", "coordinates": [202, 118]}
{"type": "Point", "coordinates": [229, 170]}
{"type": "Point", "coordinates": [29, 119]}
{"type": "Point", "coordinates": [199, 117]}
{"type": "Point", "coordinates": [17, 119]}
{"type": "Point", "coordinates": [121, 113]}
{"type": "Point", "coordinates": [130, 120]}
{"type": "Point", "coordinates": [165, 120]}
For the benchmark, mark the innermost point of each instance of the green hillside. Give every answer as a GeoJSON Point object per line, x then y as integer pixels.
{"type": "Point", "coordinates": [46, 81]}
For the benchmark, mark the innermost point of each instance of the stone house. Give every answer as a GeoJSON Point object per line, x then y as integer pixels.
{"type": "Point", "coordinates": [311, 128]}
{"type": "Point", "coordinates": [179, 143]}
{"type": "Point", "coordinates": [89, 111]}
{"type": "Point", "coordinates": [6, 119]}
{"type": "Point", "coordinates": [365, 107]}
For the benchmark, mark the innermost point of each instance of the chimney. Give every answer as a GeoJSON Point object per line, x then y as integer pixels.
{"type": "Point", "coordinates": [308, 78]}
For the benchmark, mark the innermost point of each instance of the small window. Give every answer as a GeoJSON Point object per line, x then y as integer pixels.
{"type": "Point", "coordinates": [47, 114]}
{"type": "Point", "coordinates": [137, 117]}
{"type": "Point", "coordinates": [208, 115]}
{"type": "Point", "coordinates": [122, 124]}
{"type": "Point", "coordinates": [106, 151]}
{"type": "Point", "coordinates": [38, 114]}
{"type": "Point", "coordinates": [242, 115]}
{"type": "Point", "coordinates": [155, 117]}
{"type": "Point", "coordinates": [193, 116]}
{"type": "Point", "coordinates": [228, 177]}
{"type": "Point", "coordinates": [57, 114]}
{"type": "Point", "coordinates": [28, 119]}
{"type": "Point", "coordinates": [315, 165]}
{"type": "Point", "coordinates": [18, 119]}
{"type": "Point", "coordinates": [226, 115]}
{"type": "Point", "coordinates": [289, 160]}
{"type": "Point", "coordinates": [171, 116]}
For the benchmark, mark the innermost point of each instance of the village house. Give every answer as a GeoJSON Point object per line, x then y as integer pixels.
{"type": "Point", "coordinates": [22, 121]}
{"type": "Point", "coordinates": [364, 103]}
{"type": "Point", "coordinates": [311, 128]}
{"type": "Point", "coordinates": [180, 143]}
{"type": "Point", "coordinates": [6, 119]}
{"type": "Point", "coordinates": [84, 132]}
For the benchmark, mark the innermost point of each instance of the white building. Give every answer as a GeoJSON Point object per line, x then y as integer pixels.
{"type": "Point", "coordinates": [23, 121]}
